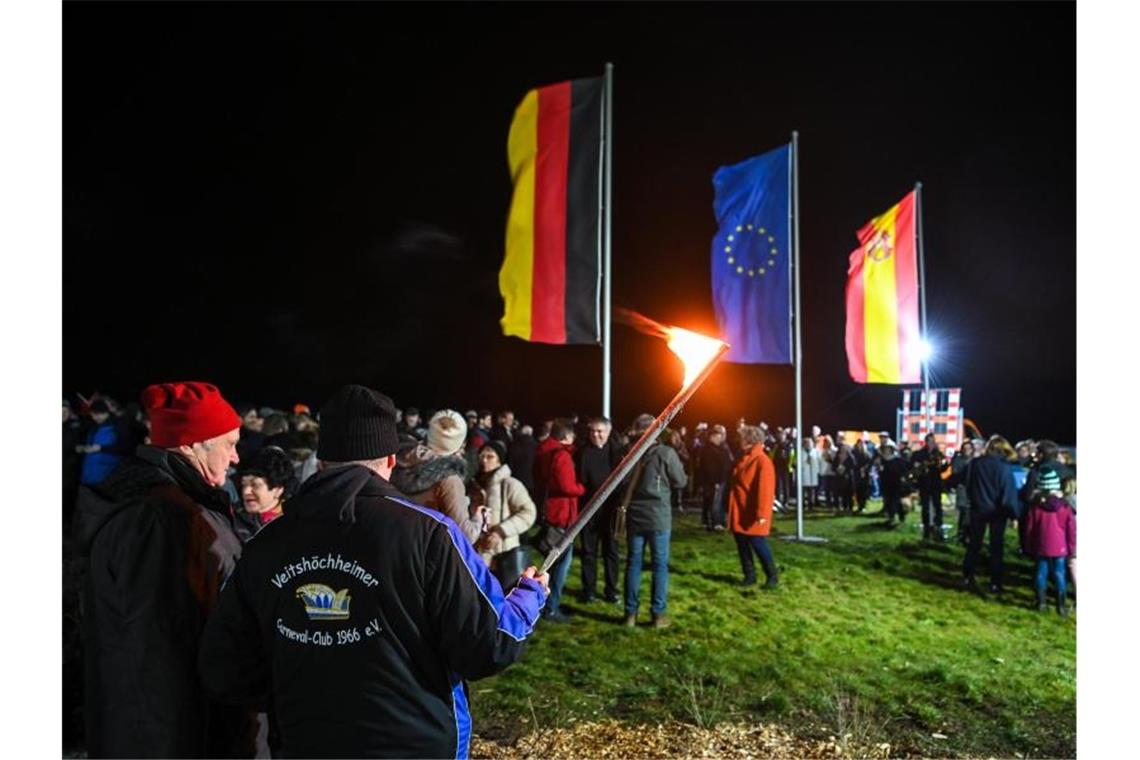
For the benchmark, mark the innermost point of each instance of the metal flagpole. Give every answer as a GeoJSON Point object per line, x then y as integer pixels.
{"type": "Point", "coordinates": [799, 353]}
{"type": "Point", "coordinates": [607, 172]}
{"type": "Point", "coordinates": [922, 302]}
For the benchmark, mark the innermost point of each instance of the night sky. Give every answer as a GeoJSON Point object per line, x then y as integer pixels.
{"type": "Point", "coordinates": [284, 198]}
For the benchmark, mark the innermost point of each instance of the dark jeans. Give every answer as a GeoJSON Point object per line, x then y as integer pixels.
{"type": "Point", "coordinates": [862, 489]}
{"type": "Point", "coordinates": [745, 545]}
{"type": "Point", "coordinates": [827, 484]}
{"type": "Point", "coordinates": [892, 507]}
{"type": "Point", "coordinates": [810, 499]}
{"type": "Point", "coordinates": [1056, 566]}
{"type": "Point", "coordinates": [978, 526]}
{"type": "Point", "coordinates": [845, 498]}
{"type": "Point", "coordinates": [558, 575]}
{"type": "Point", "coordinates": [712, 505]}
{"type": "Point", "coordinates": [783, 483]}
{"type": "Point", "coordinates": [931, 509]}
{"type": "Point", "coordinates": [658, 542]}
{"type": "Point", "coordinates": [599, 531]}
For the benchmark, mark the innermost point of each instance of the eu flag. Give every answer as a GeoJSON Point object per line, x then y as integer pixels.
{"type": "Point", "coordinates": [751, 273]}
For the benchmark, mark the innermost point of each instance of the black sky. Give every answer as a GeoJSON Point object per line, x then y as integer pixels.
{"type": "Point", "coordinates": [285, 197]}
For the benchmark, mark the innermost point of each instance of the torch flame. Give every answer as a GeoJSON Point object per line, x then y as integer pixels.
{"type": "Point", "coordinates": [694, 349]}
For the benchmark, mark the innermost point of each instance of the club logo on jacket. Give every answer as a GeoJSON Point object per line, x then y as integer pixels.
{"type": "Point", "coordinates": [322, 603]}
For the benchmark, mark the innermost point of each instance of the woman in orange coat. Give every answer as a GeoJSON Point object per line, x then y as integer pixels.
{"type": "Point", "coordinates": [750, 498]}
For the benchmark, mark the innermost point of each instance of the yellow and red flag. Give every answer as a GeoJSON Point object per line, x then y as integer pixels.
{"type": "Point", "coordinates": [883, 330]}
{"type": "Point", "coordinates": [551, 275]}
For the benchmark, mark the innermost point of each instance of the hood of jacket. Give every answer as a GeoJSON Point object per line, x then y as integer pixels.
{"type": "Point", "coordinates": [419, 469]}
{"type": "Point", "coordinates": [1053, 503]}
{"type": "Point", "coordinates": [132, 481]}
{"type": "Point", "coordinates": [335, 491]}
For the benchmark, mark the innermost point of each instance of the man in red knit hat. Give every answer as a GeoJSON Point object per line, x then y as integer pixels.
{"type": "Point", "coordinates": [159, 544]}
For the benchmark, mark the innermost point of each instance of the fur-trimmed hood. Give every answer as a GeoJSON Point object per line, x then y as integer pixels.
{"type": "Point", "coordinates": [419, 469]}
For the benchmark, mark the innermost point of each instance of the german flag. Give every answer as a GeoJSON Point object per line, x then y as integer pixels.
{"type": "Point", "coordinates": [551, 274]}
{"type": "Point", "coordinates": [883, 331]}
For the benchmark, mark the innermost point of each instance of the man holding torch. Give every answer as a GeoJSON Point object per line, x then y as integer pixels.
{"type": "Point", "coordinates": [358, 614]}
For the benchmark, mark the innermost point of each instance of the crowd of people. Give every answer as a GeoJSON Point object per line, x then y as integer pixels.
{"type": "Point", "coordinates": [224, 475]}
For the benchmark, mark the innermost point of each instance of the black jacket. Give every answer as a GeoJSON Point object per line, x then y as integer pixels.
{"type": "Point", "coordinates": [714, 465]}
{"type": "Point", "coordinates": [892, 476]}
{"type": "Point", "coordinates": [989, 484]}
{"type": "Point", "coordinates": [158, 546]}
{"type": "Point", "coordinates": [594, 465]}
{"type": "Point", "coordinates": [929, 466]}
{"type": "Point", "coordinates": [520, 456]}
{"type": "Point", "coordinates": [360, 614]}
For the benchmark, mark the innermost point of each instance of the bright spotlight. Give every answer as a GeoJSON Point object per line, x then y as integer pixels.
{"type": "Point", "coordinates": [925, 350]}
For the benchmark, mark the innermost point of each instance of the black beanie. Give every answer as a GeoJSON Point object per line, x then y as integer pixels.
{"type": "Point", "coordinates": [357, 424]}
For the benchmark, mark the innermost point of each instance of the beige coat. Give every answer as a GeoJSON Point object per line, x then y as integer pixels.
{"type": "Point", "coordinates": [512, 511]}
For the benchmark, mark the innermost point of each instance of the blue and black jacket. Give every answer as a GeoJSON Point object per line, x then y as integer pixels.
{"type": "Point", "coordinates": [356, 617]}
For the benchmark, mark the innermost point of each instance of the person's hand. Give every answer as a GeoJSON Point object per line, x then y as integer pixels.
{"type": "Point", "coordinates": [544, 579]}
{"type": "Point", "coordinates": [492, 541]}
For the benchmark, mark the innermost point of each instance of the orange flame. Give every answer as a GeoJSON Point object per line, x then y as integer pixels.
{"type": "Point", "coordinates": [694, 349]}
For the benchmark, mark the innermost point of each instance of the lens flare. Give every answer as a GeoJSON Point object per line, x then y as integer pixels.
{"type": "Point", "coordinates": [694, 349]}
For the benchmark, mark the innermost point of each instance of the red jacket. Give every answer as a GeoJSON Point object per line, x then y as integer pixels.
{"type": "Point", "coordinates": [554, 467]}
{"type": "Point", "coordinates": [1051, 529]}
{"type": "Point", "coordinates": [751, 492]}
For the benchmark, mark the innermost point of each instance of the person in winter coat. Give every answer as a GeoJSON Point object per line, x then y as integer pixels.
{"type": "Point", "coordinates": [811, 466]}
{"type": "Point", "coordinates": [750, 497]}
{"type": "Point", "coordinates": [510, 513]}
{"type": "Point", "coordinates": [862, 458]}
{"type": "Point", "coordinates": [649, 522]}
{"type": "Point", "coordinates": [594, 462]}
{"type": "Point", "coordinates": [74, 436]}
{"type": "Point", "coordinates": [109, 439]}
{"type": "Point", "coordinates": [520, 457]}
{"type": "Point", "coordinates": [433, 474]}
{"type": "Point", "coordinates": [781, 454]}
{"type": "Point", "coordinates": [958, 464]}
{"type": "Point", "coordinates": [1048, 460]}
{"type": "Point", "coordinates": [158, 544]}
{"type": "Point", "coordinates": [1051, 536]}
{"type": "Point", "coordinates": [892, 480]}
{"type": "Point", "coordinates": [555, 477]}
{"type": "Point", "coordinates": [266, 481]}
{"type": "Point", "coordinates": [359, 614]}
{"type": "Point", "coordinates": [713, 468]}
{"type": "Point", "coordinates": [928, 464]}
{"type": "Point", "coordinates": [993, 502]}
{"type": "Point", "coordinates": [845, 470]}
{"type": "Point", "coordinates": [830, 497]}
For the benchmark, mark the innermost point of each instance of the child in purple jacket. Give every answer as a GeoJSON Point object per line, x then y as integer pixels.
{"type": "Point", "coordinates": [1051, 534]}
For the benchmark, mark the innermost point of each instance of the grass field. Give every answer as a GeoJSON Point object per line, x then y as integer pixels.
{"type": "Point", "coordinates": [868, 638]}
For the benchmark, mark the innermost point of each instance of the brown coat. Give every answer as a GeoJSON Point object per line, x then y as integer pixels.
{"type": "Point", "coordinates": [751, 493]}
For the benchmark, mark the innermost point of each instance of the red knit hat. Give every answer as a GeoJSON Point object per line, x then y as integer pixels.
{"type": "Point", "coordinates": [186, 413]}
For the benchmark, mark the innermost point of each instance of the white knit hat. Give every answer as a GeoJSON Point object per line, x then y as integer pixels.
{"type": "Point", "coordinates": [447, 432]}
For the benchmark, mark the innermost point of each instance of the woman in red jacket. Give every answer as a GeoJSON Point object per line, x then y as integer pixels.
{"type": "Point", "coordinates": [750, 499]}
{"type": "Point", "coordinates": [554, 468]}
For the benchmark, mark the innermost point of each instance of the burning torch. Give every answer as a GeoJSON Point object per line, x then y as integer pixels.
{"type": "Point", "coordinates": [700, 354]}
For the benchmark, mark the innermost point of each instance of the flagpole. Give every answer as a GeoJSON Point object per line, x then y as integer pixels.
{"type": "Point", "coordinates": [607, 172]}
{"type": "Point", "coordinates": [922, 302]}
{"type": "Point", "coordinates": [799, 353]}
{"type": "Point", "coordinates": [799, 343]}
